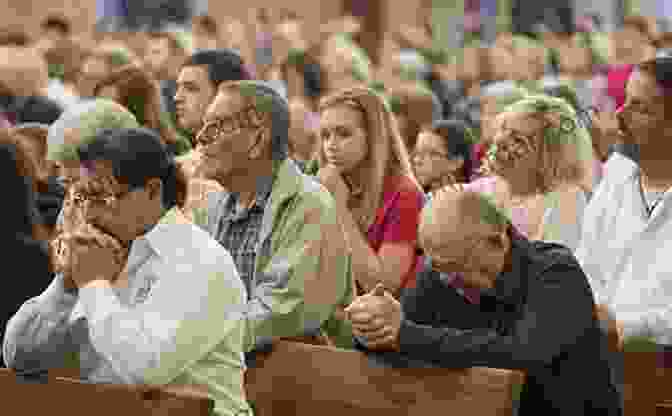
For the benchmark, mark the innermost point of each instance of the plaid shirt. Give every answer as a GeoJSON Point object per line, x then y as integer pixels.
{"type": "Point", "coordinates": [239, 232]}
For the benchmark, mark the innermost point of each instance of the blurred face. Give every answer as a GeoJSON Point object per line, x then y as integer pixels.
{"type": "Point", "coordinates": [431, 160]}
{"type": "Point", "coordinates": [194, 94]}
{"type": "Point", "coordinates": [302, 131]}
{"type": "Point", "coordinates": [159, 54]}
{"type": "Point", "coordinates": [115, 208]}
{"type": "Point", "coordinates": [643, 114]}
{"type": "Point", "coordinates": [231, 137]}
{"type": "Point", "coordinates": [344, 137]}
{"type": "Point", "coordinates": [476, 251]}
{"type": "Point", "coordinates": [489, 111]}
{"type": "Point", "coordinates": [515, 145]}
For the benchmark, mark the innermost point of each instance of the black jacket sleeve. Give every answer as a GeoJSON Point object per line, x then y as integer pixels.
{"type": "Point", "coordinates": [549, 323]}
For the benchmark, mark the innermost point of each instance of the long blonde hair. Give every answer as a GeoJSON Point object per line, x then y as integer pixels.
{"type": "Point", "coordinates": [387, 152]}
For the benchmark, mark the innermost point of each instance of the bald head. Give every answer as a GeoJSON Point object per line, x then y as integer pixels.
{"type": "Point", "coordinates": [453, 216]}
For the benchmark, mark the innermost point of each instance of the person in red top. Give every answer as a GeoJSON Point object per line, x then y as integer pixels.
{"type": "Point", "coordinates": [365, 165]}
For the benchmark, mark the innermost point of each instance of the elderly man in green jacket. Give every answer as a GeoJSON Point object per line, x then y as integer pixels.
{"type": "Point", "coordinates": [279, 225]}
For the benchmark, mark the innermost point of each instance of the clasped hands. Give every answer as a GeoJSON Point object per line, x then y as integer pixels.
{"type": "Point", "coordinates": [89, 259]}
{"type": "Point", "coordinates": [376, 319]}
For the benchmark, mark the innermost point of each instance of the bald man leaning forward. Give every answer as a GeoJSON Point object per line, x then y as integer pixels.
{"type": "Point", "coordinates": [535, 315]}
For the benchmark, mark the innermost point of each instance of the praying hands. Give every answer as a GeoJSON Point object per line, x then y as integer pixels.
{"type": "Point", "coordinates": [376, 319]}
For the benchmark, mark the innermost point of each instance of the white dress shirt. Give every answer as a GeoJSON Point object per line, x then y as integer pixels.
{"type": "Point", "coordinates": [626, 252]}
{"type": "Point", "coordinates": [178, 317]}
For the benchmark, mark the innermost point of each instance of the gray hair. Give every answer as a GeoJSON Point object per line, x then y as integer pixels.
{"type": "Point", "coordinates": [269, 100]}
{"type": "Point", "coordinates": [87, 117]}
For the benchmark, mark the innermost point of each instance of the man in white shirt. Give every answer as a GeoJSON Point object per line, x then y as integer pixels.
{"type": "Point", "coordinates": [170, 314]}
{"type": "Point", "coordinates": [627, 230]}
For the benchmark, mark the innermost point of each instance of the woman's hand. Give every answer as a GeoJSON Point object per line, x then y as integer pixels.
{"type": "Point", "coordinates": [330, 177]}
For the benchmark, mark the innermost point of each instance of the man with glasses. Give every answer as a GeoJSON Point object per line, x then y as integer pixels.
{"type": "Point", "coordinates": [169, 310]}
{"type": "Point", "coordinates": [535, 314]}
{"type": "Point", "coordinates": [280, 226]}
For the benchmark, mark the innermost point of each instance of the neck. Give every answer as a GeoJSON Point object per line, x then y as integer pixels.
{"type": "Point", "coordinates": [248, 182]}
{"type": "Point", "coordinates": [522, 186]}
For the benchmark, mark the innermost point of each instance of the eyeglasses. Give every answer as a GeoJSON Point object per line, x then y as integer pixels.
{"type": "Point", "coordinates": [99, 191]}
{"type": "Point", "coordinates": [221, 127]}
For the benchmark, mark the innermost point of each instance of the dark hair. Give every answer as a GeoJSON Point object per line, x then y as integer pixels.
{"type": "Point", "coordinates": [222, 65]}
{"type": "Point", "coordinates": [207, 23]}
{"type": "Point", "coordinates": [660, 68]}
{"type": "Point", "coordinates": [19, 211]}
{"type": "Point", "coordinates": [311, 71]}
{"type": "Point", "coordinates": [139, 94]}
{"type": "Point", "coordinates": [138, 155]}
{"type": "Point", "coordinates": [458, 140]}
{"type": "Point", "coordinates": [56, 22]}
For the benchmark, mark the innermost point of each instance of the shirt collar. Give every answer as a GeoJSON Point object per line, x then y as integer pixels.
{"type": "Point", "coordinates": [162, 237]}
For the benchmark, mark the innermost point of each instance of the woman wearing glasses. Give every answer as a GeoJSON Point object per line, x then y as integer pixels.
{"type": "Point", "coordinates": [537, 167]}
{"type": "Point", "coordinates": [365, 165]}
{"type": "Point", "coordinates": [442, 155]}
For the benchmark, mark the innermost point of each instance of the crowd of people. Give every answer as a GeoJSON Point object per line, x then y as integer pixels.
{"type": "Point", "coordinates": [179, 201]}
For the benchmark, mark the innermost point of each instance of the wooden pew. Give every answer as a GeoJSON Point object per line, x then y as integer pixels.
{"type": "Point", "coordinates": [299, 379]}
{"type": "Point", "coordinates": [66, 396]}
{"type": "Point", "coordinates": [647, 385]}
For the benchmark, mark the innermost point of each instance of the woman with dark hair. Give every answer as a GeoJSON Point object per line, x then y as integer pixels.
{"type": "Point", "coordinates": [21, 231]}
{"type": "Point", "coordinates": [442, 155]}
{"type": "Point", "coordinates": [135, 89]}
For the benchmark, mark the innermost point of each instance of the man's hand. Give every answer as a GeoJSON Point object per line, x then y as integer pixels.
{"type": "Point", "coordinates": [90, 260]}
{"type": "Point", "coordinates": [376, 319]}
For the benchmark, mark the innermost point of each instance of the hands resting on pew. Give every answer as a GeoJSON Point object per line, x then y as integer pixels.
{"type": "Point", "coordinates": [376, 319]}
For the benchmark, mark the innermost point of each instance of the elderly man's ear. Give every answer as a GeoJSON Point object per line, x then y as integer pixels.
{"type": "Point", "coordinates": [261, 143]}
{"type": "Point", "coordinates": [498, 241]}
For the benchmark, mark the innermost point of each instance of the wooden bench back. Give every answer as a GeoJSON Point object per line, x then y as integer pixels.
{"type": "Point", "coordinates": [299, 379]}
{"type": "Point", "coordinates": [64, 396]}
{"type": "Point", "coordinates": [295, 379]}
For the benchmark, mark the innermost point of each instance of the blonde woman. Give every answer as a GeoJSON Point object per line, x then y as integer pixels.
{"type": "Point", "coordinates": [538, 163]}
{"type": "Point", "coordinates": [365, 165]}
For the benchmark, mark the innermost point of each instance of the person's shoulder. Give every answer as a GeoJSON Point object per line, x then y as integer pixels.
{"type": "Point", "coordinates": [179, 241]}
{"type": "Point", "coordinates": [547, 256]}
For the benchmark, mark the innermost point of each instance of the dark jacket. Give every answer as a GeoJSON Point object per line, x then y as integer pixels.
{"type": "Point", "coordinates": [538, 319]}
{"type": "Point", "coordinates": [27, 261]}
{"type": "Point", "coordinates": [34, 109]}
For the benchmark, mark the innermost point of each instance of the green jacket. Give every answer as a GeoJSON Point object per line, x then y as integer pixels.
{"type": "Point", "coordinates": [302, 269]}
